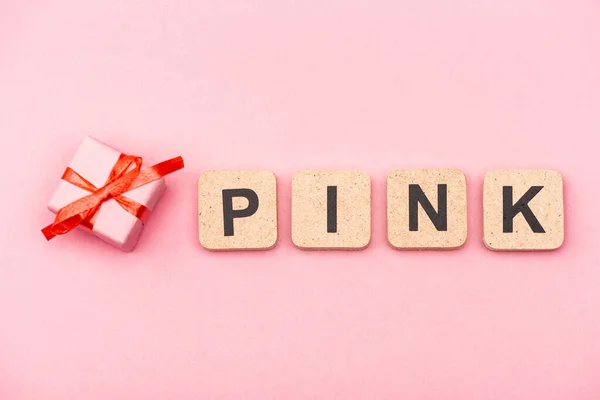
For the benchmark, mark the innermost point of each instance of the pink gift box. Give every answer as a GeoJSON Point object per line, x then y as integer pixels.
{"type": "Point", "coordinates": [94, 161]}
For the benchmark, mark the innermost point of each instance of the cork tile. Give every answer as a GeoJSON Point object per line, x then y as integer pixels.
{"type": "Point", "coordinates": [331, 209]}
{"type": "Point", "coordinates": [523, 210]}
{"type": "Point", "coordinates": [427, 209]}
{"type": "Point", "coordinates": [237, 210]}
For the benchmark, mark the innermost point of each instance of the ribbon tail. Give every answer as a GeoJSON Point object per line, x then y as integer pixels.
{"type": "Point", "coordinates": [62, 227]}
{"type": "Point", "coordinates": [48, 233]}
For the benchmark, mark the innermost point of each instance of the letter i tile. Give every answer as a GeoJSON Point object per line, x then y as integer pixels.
{"type": "Point", "coordinates": [331, 209]}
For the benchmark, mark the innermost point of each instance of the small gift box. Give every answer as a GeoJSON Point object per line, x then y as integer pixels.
{"type": "Point", "coordinates": [108, 193]}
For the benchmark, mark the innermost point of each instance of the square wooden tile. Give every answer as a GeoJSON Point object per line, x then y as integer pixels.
{"type": "Point", "coordinates": [331, 209]}
{"type": "Point", "coordinates": [237, 210]}
{"type": "Point", "coordinates": [523, 210]}
{"type": "Point", "coordinates": [427, 209]}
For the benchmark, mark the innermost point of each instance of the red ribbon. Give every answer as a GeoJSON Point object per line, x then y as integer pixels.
{"type": "Point", "coordinates": [121, 180]}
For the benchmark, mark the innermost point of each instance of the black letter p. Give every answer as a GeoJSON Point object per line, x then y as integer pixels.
{"type": "Point", "coordinates": [229, 213]}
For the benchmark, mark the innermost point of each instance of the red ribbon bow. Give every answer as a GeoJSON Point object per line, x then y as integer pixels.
{"type": "Point", "coordinates": [121, 180]}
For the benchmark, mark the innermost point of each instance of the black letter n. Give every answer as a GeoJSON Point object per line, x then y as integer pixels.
{"type": "Point", "coordinates": [229, 213]}
{"type": "Point", "coordinates": [439, 218]}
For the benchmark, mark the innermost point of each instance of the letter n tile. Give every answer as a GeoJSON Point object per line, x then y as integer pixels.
{"type": "Point", "coordinates": [427, 209]}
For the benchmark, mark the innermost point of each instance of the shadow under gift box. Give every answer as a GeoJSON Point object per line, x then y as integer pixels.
{"type": "Point", "coordinates": [94, 161]}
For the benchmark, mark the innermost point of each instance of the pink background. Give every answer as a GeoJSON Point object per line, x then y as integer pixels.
{"type": "Point", "coordinates": [287, 85]}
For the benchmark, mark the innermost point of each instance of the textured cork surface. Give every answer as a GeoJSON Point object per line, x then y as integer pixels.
{"type": "Point", "coordinates": [425, 235]}
{"type": "Point", "coordinates": [545, 202]}
{"type": "Point", "coordinates": [253, 232]}
{"type": "Point", "coordinates": [313, 227]}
